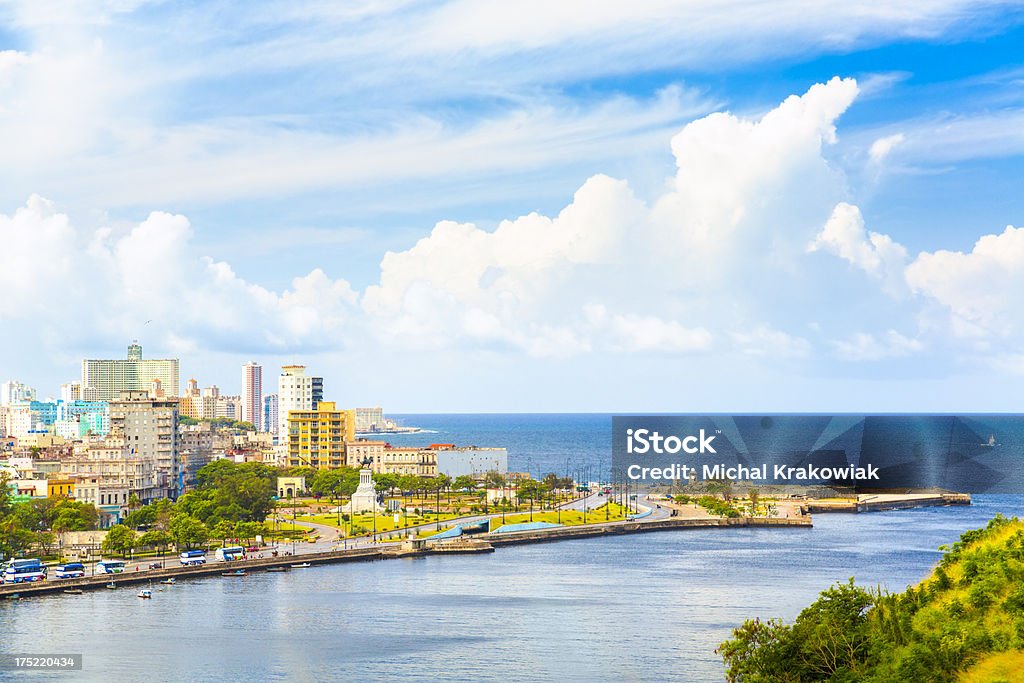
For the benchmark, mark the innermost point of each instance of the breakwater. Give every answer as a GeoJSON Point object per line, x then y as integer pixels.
{"type": "Point", "coordinates": [887, 501]}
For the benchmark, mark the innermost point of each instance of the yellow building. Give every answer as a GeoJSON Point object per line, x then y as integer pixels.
{"type": "Point", "coordinates": [60, 487]}
{"type": "Point", "coordinates": [316, 438]}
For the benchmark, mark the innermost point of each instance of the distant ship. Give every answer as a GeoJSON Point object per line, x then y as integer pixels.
{"type": "Point", "coordinates": [991, 443]}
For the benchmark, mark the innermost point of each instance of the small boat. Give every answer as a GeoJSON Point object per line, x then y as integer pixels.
{"type": "Point", "coordinates": [111, 585]}
{"type": "Point", "coordinates": [301, 566]}
{"type": "Point", "coordinates": [145, 593]}
{"type": "Point", "coordinates": [168, 582]}
{"type": "Point", "coordinates": [73, 591]}
{"type": "Point", "coordinates": [277, 569]}
{"type": "Point", "coordinates": [237, 572]}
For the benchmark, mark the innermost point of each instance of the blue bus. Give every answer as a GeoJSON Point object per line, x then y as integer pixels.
{"type": "Point", "coordinates": [72, 570]}
{"type": "Point", "coordinates": [23, 571]}
{"type": "Point", "coordinates": [192, 557]}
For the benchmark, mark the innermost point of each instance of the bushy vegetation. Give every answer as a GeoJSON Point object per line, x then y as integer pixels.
{"type": "Point", "coordinates": [717, 506]}
{"type": "Point", "coordinates": [33, 523]}
{"type": "Point", "coordinates": [968, 613]}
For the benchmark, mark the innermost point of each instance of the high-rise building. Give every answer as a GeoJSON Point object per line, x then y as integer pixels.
{"type": "Point", "coordinates": [317, 389]}
{"type": "Point", "coordinates": [370, 419]}
{"type": "Point", "coordinates": [270, 413]}
{"type": "Point", "coordinates": [149, 427]}
{"type": "Point", "coordinates": [13, 391]}
{"type": "Point", "coordinates": [317, 437]}
{"type": "Point", "coordinates": [252, 393]}
{"type": "Point", "coordinates": [294, 392]}
{"type": "Point", "coordinates": [104, 380]}
{"type": "Point", "coordinates": [71, 392]}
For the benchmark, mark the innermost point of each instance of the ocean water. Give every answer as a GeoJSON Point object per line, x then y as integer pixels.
{"type": "Point", "coordinates": [571, 443]}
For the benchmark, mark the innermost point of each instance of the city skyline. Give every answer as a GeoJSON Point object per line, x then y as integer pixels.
{"type": "Point", "coordinates": [545, 214]}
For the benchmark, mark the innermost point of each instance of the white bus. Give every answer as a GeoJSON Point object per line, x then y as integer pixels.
{"type": "Point", "coordinates": [233, 553]}
{"type": "Point", "coordinates": [110, 567]}
{"type": "Point", "coordinates": [192, 557]}
{"type": "Point", "coordinates": [71, 570]}
{"type": "Point", "coordinates": [23, 571]}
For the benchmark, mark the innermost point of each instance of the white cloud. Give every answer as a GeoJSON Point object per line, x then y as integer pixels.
{"type": "Point", "coordinates": [867, 347]}
{"type": "Point", "coordinates": [109, 284]}
{"type": "Point", "coordinates": [876, 254]}
{"type": "Point", "coordinates": [770, 343]}
{"type": "Point", "coordinates": [882, 147]}
{"type": "Point", "coordinates": [982, 288]}
{"type": "Point", "coordinates": [604, 267]}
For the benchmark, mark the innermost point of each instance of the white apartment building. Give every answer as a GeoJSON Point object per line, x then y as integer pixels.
{"type": "Point", "coordinates": [294, 392]}
{"type": "Point", "coordinates": [104, 380]}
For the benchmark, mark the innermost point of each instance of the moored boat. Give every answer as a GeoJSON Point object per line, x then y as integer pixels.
{"type": "Point", "coordinates": [145, 593]}
{"type": "Point", "coordinates": [301, 566]}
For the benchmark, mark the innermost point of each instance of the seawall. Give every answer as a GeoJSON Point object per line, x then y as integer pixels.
{"type": "Point", "coordinates": [215, 568]}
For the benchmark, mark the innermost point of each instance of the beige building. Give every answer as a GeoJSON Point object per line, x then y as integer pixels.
{"type": "Point", "coordinates": [149, 428]}
{"type": "Point", "coordinates": [104, 380]}
{"type": "Point", "coordinates": [384, 458]}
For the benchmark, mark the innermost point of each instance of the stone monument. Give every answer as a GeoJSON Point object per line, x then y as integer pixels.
{"type": "Point", "coordinates": [365, 497]}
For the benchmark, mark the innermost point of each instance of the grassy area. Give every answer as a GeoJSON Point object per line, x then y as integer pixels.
{"type": "Point", "coordinates": [615, 512]}
{"type": "Point", "coordinates": [363, 524]}
{"type": "Point", "coordinates": [1004, 666]}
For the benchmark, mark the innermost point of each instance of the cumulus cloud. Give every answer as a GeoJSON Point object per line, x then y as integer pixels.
{"type": "Point", "coordinates": [608, 270]}
{"type": "Point", "coordinates": [845, 236]}
{"type": "Point", "coordinates": [981, 289]}
{"type": "Point", "coordinates": [111, 282]}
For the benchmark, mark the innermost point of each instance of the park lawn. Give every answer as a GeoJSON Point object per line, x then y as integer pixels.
{"type": "Point", "coordinates": [616, 512]}
{"type": "Point", "coordinates": [385, 523]}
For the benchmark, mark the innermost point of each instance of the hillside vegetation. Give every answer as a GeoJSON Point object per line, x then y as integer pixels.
{"type": "Point", "coordinates": [965, 622]}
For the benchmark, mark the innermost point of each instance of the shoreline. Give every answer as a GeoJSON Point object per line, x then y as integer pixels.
{"type": "Point", "coordinates": [394, 551]}
{"type": "Point", "coordinates": [486, 544]}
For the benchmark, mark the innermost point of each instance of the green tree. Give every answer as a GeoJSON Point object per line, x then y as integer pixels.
{"type": "Point", "coordinates": [188, 532]}
{"type": "Point", "coordinates": [119, 539]}
{"type": "Point", "coordinates": [464, 482]}
{"type": "Point", "coordinates": [249, 530]}
{"type": "Point", "coordinates": [154, 539]}
{"type": "Point", "coordinates": [70, 515]}
{"type": "Point", "coordinates": [13, 538]}
{"type": "Point", "coordinates": [6, 500]}
{"type": "Point", "coordinates": [224, 529]}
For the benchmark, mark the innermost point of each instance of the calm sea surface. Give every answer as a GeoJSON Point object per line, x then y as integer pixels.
{"type": "Point", "coordinates": [645, 607]}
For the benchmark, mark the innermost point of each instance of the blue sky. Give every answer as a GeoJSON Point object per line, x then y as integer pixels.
{"type": "Point", "coordinates": [486, 206]}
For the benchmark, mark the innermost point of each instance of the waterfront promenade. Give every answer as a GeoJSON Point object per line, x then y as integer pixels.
{"type": "Point", "coordinates": [396, 550]}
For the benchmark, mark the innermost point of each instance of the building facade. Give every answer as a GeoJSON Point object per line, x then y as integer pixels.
{"type": "Point", "coordinates": [294, 392]}
{"type": "Point", "coordinates": [252, 394]}
{"type": "Point", "coordinates": [369, 419]}
{"type": "Point", "coordinates": [270, 414]}
{"type": "Point", "coordinates": [106, 379]}
{"type": "Point", "coordinates": [317, 437]}
{"type": "Point", "coordinates": [149, 428]}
